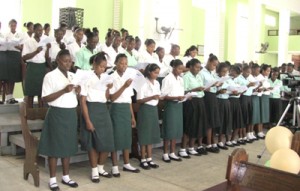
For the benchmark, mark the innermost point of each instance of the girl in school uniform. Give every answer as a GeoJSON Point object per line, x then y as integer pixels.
{"type": "Point", "coordinates": [194, 115]}
{"type": "Point", "coordinates": [207, 75]}
{"type": "Point", "coordinates": [189, 54]}
{"type": "Point", "coordinates": [76, 45]}
{"type": "Point", "coordinates": [29, 33]}
{"type": "Point", "coordinates": [59, 135]}
{"type": "Point", "coordinates": [147, 116]}
{"type": "Point", "coordinates": [96, 123]}
{"type": "Point", "coordinates": [122, 115]}
{"type": "Point", "coordinates": [47, 29]}
{"type": "Point", "coordinates": [136, 50]}
{"type": "Point", "coordinates": [113, 50]}
{"type": "Point", "coordinates": [13, 60]}
{"type": "Point", "coordinates": [56, 46]}
{"type": "Point", "coordinates": [165, 67]}
{"type": "Point", "coordinates": [173, 89]}
{"type": "Point", "coordinates": [108, 41]}
{"type": "Point", "coordinates": [275, 101]}
{"type": "Point", "coordinates": [246, 79]}
{"type": "Point", "coordinates": [132, 61]}
{"type": "Point", "coordinates": [82, 57]}
{"type": "Point", "coordinates": [35, 56]}
{"type": "Point", "coordinates": [224, 108]}
{"type": "Point", "coordinates": [3, 62]}
{"type": "Point", "coordinates": [236, 110]}
{"type": "Point", "coordinates": [148, 56]}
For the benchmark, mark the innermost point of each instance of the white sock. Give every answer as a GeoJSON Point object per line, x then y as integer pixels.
{"type": "Point", "coordinates": [95, 173]}
{"type": "Point", "coordinates": [115, 170]}
{"type": "Point", "coordinates": [261, 134]}
{"type": "Point", "coordinates": [174, 156]}
{"type": "Point", "coordinates": [214, 145]}
{"type": "Point", "coordinates": [149, 159]}
{"type": "Point", "coordinates": [183, 152]}
{"type": "Point", "coordinates": [67, 179]}
{"type": "Point", "coordinates": [100, 169]}
{"type": "Point", "coordinates": [52, 182]}
{"type": "Point", "coordinates": [208, 146]}
{"type": "Point", "coordinates": [200, 147]}
{"type": "Point", "coordinates": [234, 142]}
{"type": "Point", "coordinates": [128, 166]}
{"type": "Point", "coordinates": [192, 151]}
{"type": "Point", "coordinates": [229, 143]}
{"type": "Point", "coordinates": [221, 144]}
{"type": "Point", "coordinates": [143, 160]}
{"type": "Point", "coordinates": [245, 138]}
{"type": "Point", "coordinates": [166, 156]}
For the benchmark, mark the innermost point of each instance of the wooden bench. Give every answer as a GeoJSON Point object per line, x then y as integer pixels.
{"type": "Point", "coordinates": [242, 175]}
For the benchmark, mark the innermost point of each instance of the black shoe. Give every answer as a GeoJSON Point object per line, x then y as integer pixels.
{"type": "Point", "coordinates": [133, 171]}
{"type": "Point", "coordinates": [152, 164]}
{"type": "Point", "coordinates": [185, 156]}
{"type": "Point", "coordinates": [55, 188]}
{"type": "Point", "coordinates": [144, 165]}
{"type": "Point", "coordinates": [213, 149]}
{"type": "Point", "coordinates": [175, 159]}
{"type": "Point", "coordinates": [167, 161]}
{"type": "Point", "coordinates": [1, 102]}
{"type": "Point", "coordinates": [241, 142]}
{"type": "Point", "coordinates": [235, 144]}
{"type": "Point", "coordinates": [228, 145]}
{"type": "Point", "coordinates": [222, 147]}
{"type": "Point", "coordinates": [95, 179]}
{"type": "Point", "coordinates": [249, 141]}
{"type": "Point", "coordinates": [73, 184]}
{"type": "Point", "coordinates": [197, 154]}
{"type": "Point", "coordinates": [105, 174]}
{"type": "Point", "coordinates": [12, 101]}
{"type": "Point", "coordinates": [260, 137]}
{"type": "Point", "coordinates": [202, 151]}
{"type": "Point", "coordinates": [116, 175]}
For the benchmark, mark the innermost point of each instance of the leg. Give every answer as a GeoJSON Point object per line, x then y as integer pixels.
{"type": "Point", "coordinates": [66, 178]}
{"type": "Point", "coordinates": [40, 101]}
{"type": "Point", "coordinates": [143, 152]}
{"type": "Point", "coordinates": [127, 166]}
{"type": "Point", "coordinates": [166, 145]}
{"type": "Point", "coordinates": [149, 151]}
{"type": "Point", "coordinates": [115, 168]}
{"type": "Point", "coordinates": [52, 166]}
{"type": "Point", "coordinates": [209, 136]}
{"type": "Point", "coordinates": [100, 167]}
{"type": "Point", "coordinates": [65, 164]}
{"type": "Point", "coordinates": [182, 152]}
{"type": "Point", "coordinates": [172, 146]}
{"type": "Point", "coordinates": [93, 156]}
{"type": "Point", "coordinates": [30, 101]}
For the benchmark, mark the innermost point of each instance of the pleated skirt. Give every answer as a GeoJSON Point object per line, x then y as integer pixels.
{"type": "Point", "coordinates": [172, 121]}
{"type": "Point", "coordinates": [14, 67]}
{"type": "Point", "coordinates": [265, 108]}
{"type": "Point", "coordinates": [237, 116]}
{"type": "Point", "coordinates": [256, 118]}
{"type": "Point", "coordinates": [3, 66]}
{"type": "Point", "coordinates": [102, 139]}
{"type": "Point", "coordinates": [212, 110]}
{"type": "Point", "coordinates": [247, 109]}
{"type": "Point", "coordinates": [225, 117]}
{"type": "Point", "coordinates": [59, 134]}
{"type": "Point", "coordinates": [35, 74]}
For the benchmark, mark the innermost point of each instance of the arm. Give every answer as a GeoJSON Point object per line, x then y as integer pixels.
{"type": "Point", "coordinates": [133, 122]}
{"type": "Point", "coordinates": [109, 86]}
{"type": "Point", "coordinates": [33, 54]}
{"type": "Point", "coordinates": [54, 96]}
{"type": "Point", "coordinates": [85, 114]}
{"type": "Point", "coordinates": [142, 101]}
{"type": "Point", "coordinates": [117, 94]}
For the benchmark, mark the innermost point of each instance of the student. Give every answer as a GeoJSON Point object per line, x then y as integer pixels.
{"type": "Point", "coordinates": [124, 42]}
{"type": "Point", "coordinates": [210, 99]}
{"type": "Point", "coordinates": [194, 115]}
{"type": "Point", "coordinates": [129, 51]}
{"type": "Point", "coordinates": [122, 115]}
{"type": "Point", "coordinates": [29, 33]}
{"type": "Point", "coordinates": [275, 101]}
{"type": "Point", "coordinates": [96, 122]}
{"type": "Point", "coordinates": [189, 54]}
{"type": "Point", "coordinates": [291, 70]}
{"type": "Point", "coordinates": [3, 62]}
{"type": "Point", "coordinates": [246, 79]}
{"type": "Point", "coordinates": [82, 57]}
{"type": "Point", "coordinates": [147, 116]}
{"type": "Point", "coordinates": [165, 67]}
{"type": "Point", "coordinates": [148, 56]}
{"type": "Point", "coordinates": [35, 56]}
{"type": "Point", "coordinates": [138, 44]}
{"type": "Point", "coordinates": [76, 46]}
{"type": "Point", "coordinates": [174, 54]}
{"type": "Point", "coordinates": [13, 58]}
{"type": "Point", "coordinates": [47, 29]}
{"type": "Point", "coordinates": [237, 116]}
{"type": "Point", "coordinates": [59, 135]}
{"type": "Point", "coordinates": [283, 68]}
{"type": "Point", "coordinates": [265, 99]}
{"type": "Point", "coordinates": [113, 50]}
{"type": "Point", "coordinates": [173, 89]}
{"type": "Point", "coordinates": [224, 108]}
{"type": "Point", "coordinates": [56, 46]}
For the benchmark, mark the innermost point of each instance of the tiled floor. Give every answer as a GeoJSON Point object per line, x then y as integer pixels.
{"type": "Point", "coordinates": [196, 173]}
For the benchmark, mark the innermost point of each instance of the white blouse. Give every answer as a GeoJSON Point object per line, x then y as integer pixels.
{"type": "Point", "coordinates": [112, 54]}
{"type": "Point", "coordinates": [18, 37]}
{"type": "Point", "coordinates": [118, 82]}
{"type": "Point", "coordinates": [73, 49]}
{"type": "Point", "coordinates": [30, 46]}
{"type": "Point", "coordinates": [53, 51]}
{"type": "Point", "coordinates": [55, 81]}
{"type": "Point", "coordinates": [172, 86]}
{"type": "Point", "coordinates": [148, 90]}
{"type": "Point", "coordinates": [146, 57]}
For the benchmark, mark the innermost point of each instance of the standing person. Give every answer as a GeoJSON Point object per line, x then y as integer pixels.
{"type": "Point", "coordinates": [147, 116]}
{"type": "Point", "coordinates": [136, 50]}
{"type": "Point", "coordinates": [148, 56]}
{"type": "Point", "coordinates": [82, 57]}
{"type": "Point", "coordinates": [96, 125]}
{"type": "Point", "coordinates": [56, 46]}
{"type": "Point", "coordinates": [113, 50]}
{"type": "Point", "coordinates": [129, 51]}
{"type": "Point", "coordinates": [122, 115]}
{"type": "Point", "coordinates": [3, 62]}
{"type": "Point", "coordinates": [275, 100]}
{"type": "Point", "coordinates": [189, 54]}
{"type": "Point", "coordinates": [76, 46]}
{"type": "Point", "coordinates": [59, 135]}
{"type": "Point", "coordinates": [224, 108]}
{"type": "Point", "coordinates": [194, 114]}
{"type": "Point", "coordinates": [174, 54]}
{"type": "Point", "coordinates": [29, 33]}
{"type": "Point", "coordinates": [210, 99]}
{"type": "Point", "coordinates": [165, 67]}
{"type": "Point", "coordinates": [35, 56]}
{"type": "Point", "coordinates": [283, 68]}
{"type": "Point", "coordinates": [14, 68]}
{"type": "Point", "coordinates": [47, 29]}
{"type": "Point", "coordinates": [173, 88]}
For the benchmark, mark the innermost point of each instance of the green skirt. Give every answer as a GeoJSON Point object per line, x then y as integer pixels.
{"type": "Point", "coordinates": [256, 118]}
{"type": "Point", "coordinates": [59, 135]}
{"type": "Point", "coordinates": [172, 121]}
{"type": "Point", "coordinates": [14, 67]}
{"type": "Point", "coordinates": [3, 66]}
{"type": "Point", "coordinates": [265, 108]}
{"type": "Point", "coordinates": [147, 125]}
{"type": "Point", "coordinates": [99, 116]}
{"type": "Point", "coordinates": [34, 78]}
{"type": "Point", "coordinates": [121, 119]}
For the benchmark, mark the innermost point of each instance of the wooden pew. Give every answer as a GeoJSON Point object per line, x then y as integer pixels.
{"type": "Point", "coordinates": [242, 175]}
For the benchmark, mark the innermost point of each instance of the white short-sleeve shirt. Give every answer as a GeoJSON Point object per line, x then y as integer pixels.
{"type": "Point", "coordinates": [146, 57]}
{"type": "Point", "coordinates": [112, 54]}
{"type": "Point", "coordinates": [259, 78]}
{"type": "Point", "coordinates": [55, 81]}
{"type": "Point", "coordinates": [29, 47]}
{"type": "Point", "coordinates": [92, 90]}
{"type": "Point", "coordinates": [172, 86]}
{"type": "Point", "coordinates": [18, 37]}
{"type": "Point", "coordinates": [118, 82]}
{"type": "Point", "coordinates": [149, 89]}
{"type": "Point", "coordinates": [73, 49]}
{"type": "Point", "coordinates": [53, 51]}
{"type": "Point", "coordinates": [2, 42]}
